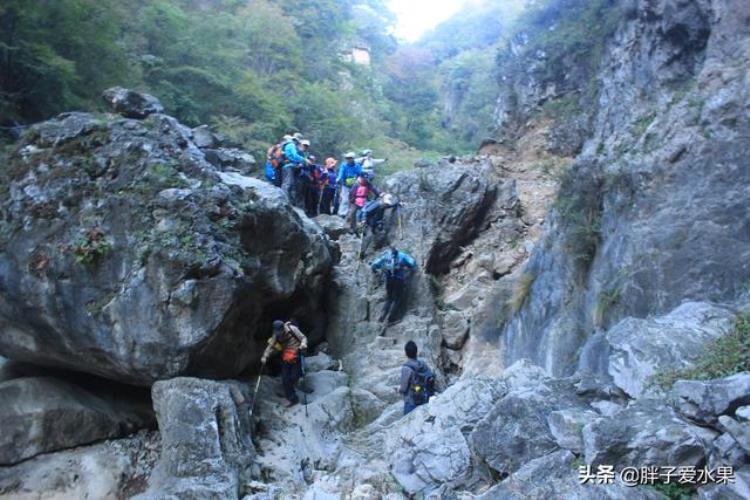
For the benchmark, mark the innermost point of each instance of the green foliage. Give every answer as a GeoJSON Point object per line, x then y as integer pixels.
{"type": "Point", "coordinates": [675, 491]}
{"type": "Point", "coordinates": [254, 70]}
{"type": "Point", "coordinates": [91, 246]}
{"type": "Point", "coordinates": [578, 204]}
{"type": "Point", "coordinates": [724, 356]}
{"type": "Point", "coordinates": [604, 303]}
{"type": "Point", "coordinates": [57, 55]}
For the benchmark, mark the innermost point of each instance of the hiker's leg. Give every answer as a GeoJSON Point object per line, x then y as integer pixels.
{"type": "Point", "coordinates": [397, 295]}
{"type": "Point", "coordinates": [344, 202]}
{"type": "Point", "coordinates": [289, 376]}
{"type": "Point", "coordinates": [408, 407]}
{"type": "Point", "coordinates": [287, 183]}
{"type": "Point", "coordinates": [388, 299]}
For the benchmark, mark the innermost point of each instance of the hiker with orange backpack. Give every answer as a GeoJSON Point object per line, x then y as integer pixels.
{"type": "Point", "coordinates": [291, 343]}
{"type": "Point", "coordinates": [275, 160]}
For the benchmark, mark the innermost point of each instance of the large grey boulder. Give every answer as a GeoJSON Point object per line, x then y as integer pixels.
{"type": "Point", "coordinates": [429, 447]}
{"type": "Point", "coordinates": [232, 160]}
{"type": "Point", "coordinates": [646, 433]}
{"type": "Point", "coordinates": [107, 470]}
{"type": "Point", "coordinates": [205, 433]}
{"type": "Point", "coordinates": [139, 261]}
{"type": "Point", "coordinates": [705, 401]}
{"type": "Point", "coordinates": [555, 476]}
{"type": "Point", "coordinates": [517, 429]}
{"type": "Point", "coordinates": [445, 209]}
{"type": "Point", "coordinates": [642, 348]}
{"type": "Point", "coordinates": [44, 414]}
{"type": "Point", "coordinates": [739, 489]}
{"type": "Point", "coordinates": [132, 104]}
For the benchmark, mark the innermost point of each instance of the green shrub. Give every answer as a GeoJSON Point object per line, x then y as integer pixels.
{"type": "Point", "coordinates": [604, 303]}
{"type": "Point", "coordinates": [724, 356]}
{"type": "Point", "coordinates": [675, 491]}
{"type": "Point", "coordinates": [91, 246]}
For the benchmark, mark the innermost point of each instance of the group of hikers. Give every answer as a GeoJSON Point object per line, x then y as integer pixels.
{"type": "Point", "coordinates": [416, 383]}
{"type": "Point", "coordinates": [346, 191]}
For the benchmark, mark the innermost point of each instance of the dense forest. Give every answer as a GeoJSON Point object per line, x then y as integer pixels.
{"type": "Point", "coordinates": [255, 69]}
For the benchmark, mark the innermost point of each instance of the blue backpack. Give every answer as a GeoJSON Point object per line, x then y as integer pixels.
{"type": "Point", "coordinates": [422, 385]}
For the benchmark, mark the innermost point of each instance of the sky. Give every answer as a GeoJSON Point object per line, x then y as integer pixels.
{"type": "Point", "coordinates": [416, 17]}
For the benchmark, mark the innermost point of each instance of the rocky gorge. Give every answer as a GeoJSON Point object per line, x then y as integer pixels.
{"type": "Point", "coordinates": [564, 272]}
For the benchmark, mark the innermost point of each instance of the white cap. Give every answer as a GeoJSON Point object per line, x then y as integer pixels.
{"type": "Point", "coordinates": [305, 142]}
{"type": "Point", "coordinates": [350, 154]}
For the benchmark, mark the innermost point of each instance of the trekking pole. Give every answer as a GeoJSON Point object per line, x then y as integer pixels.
{"type": "Point", "coordinates": [257, 386]}
{"type": "Point", "coordinates": [400, 224]}
{"type": "Point", "coordinates": [304, 381]}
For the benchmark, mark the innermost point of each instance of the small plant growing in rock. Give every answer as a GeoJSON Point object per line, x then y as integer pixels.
{"type": "Point", "coordinates": [92, 245]}
{"type": "Point", "coordinates": [606, 300]}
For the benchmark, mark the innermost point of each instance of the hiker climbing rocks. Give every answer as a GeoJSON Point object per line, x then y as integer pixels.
{"type": "Point", "coordinates": [376, 225]}
{"type": "Point", "coordinates": [291, 170]}
{"type": "Point", "coordinates": [359, 195]}
{"type": "Point", "coordinates": [275, 160]}
{"type": "Point", "coordinates": [395, 265]}
{"type": "Point", "coordinates": [291, 343]}
{"type": "Point", "coordinates": [417, 380]}
{"type": "Point", "coordinates": [369, 163]}
{"type": "Point", "coordinates": [347, 177]}
{"type": "Point", "coordinates": [327, 186]}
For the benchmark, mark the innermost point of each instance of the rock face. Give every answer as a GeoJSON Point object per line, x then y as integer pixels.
{"type": "Point", "coordinates": [653, 212]}
{"type": "Point", "coordinates": [431, 448]}
{"type": "Point", "coordinates": [635, 350]}
{"type": "Point", "coordinates": [44, 414]}
{"type": "Point", "coordinates": [132, 104]}
{"type": "Point", "coordinates": [205, 433]}
{"type": "Point", "coordinates": [705, 401]}
{"type": "Point", "coordinates": [108, 470]}
{"type": "Point", "coordinates": [646, 433]}
{"type": "Point", "coordinates": [126, 254]}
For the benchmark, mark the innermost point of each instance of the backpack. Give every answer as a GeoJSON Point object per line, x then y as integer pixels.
{"type": "Point", "coordinates": [422, 385]}
{"type": "Point", "coordinates": [277, 156]}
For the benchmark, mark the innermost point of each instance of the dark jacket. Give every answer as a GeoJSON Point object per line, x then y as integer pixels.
{"type": "Point", "coordinates": [411, 366]}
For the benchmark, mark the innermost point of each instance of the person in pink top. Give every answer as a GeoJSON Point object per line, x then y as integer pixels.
{"type": "Point", "coordinates": [359, 193]}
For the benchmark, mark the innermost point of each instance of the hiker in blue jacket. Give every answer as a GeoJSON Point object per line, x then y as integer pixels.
{"type": "Point", "coordinates": [294, 162]}
{"type": "Point", "coordinates": [395, 265]}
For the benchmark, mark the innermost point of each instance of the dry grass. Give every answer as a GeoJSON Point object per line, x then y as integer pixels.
{"type": "Point", "coordinates": [521, 291]}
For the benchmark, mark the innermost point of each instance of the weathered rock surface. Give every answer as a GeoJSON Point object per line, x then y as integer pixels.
{"type": "Point", "coordinates": [517, 430]}
{"type": "Point", "coordinates": [430, 447]}
{"type": "Point", "coordinates": [109, 470]}
{"type": "Point", "coordinates": [640, 349]}
{"type": "Point", "coordinates": [653, 212]}
{"type": "Point", "coordinates": [737, 490]}
{"type": "Point", "coordinates": [646, 433]}
{"type": "Point", "coordinates": [131, 104]}
{"type": "Point", "coordinates": [105, 217]}
{"type": "Point", "coordinates": [205, 434]}
{"type": "Point", "coordinates": [705, 401]}
{"type": "Point", "coordinates": [44, 414]}
{"type": "Point", "coordinates": [555, 476]}
{"type": "Point", "coordinates": [232, 160]}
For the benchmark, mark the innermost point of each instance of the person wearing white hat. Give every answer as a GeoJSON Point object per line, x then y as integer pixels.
{"type": "Point", "coordinates": [369, 163]}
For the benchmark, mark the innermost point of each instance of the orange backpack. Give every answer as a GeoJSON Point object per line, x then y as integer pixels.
{"type": "Point", "coordinates": [277, 156]}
